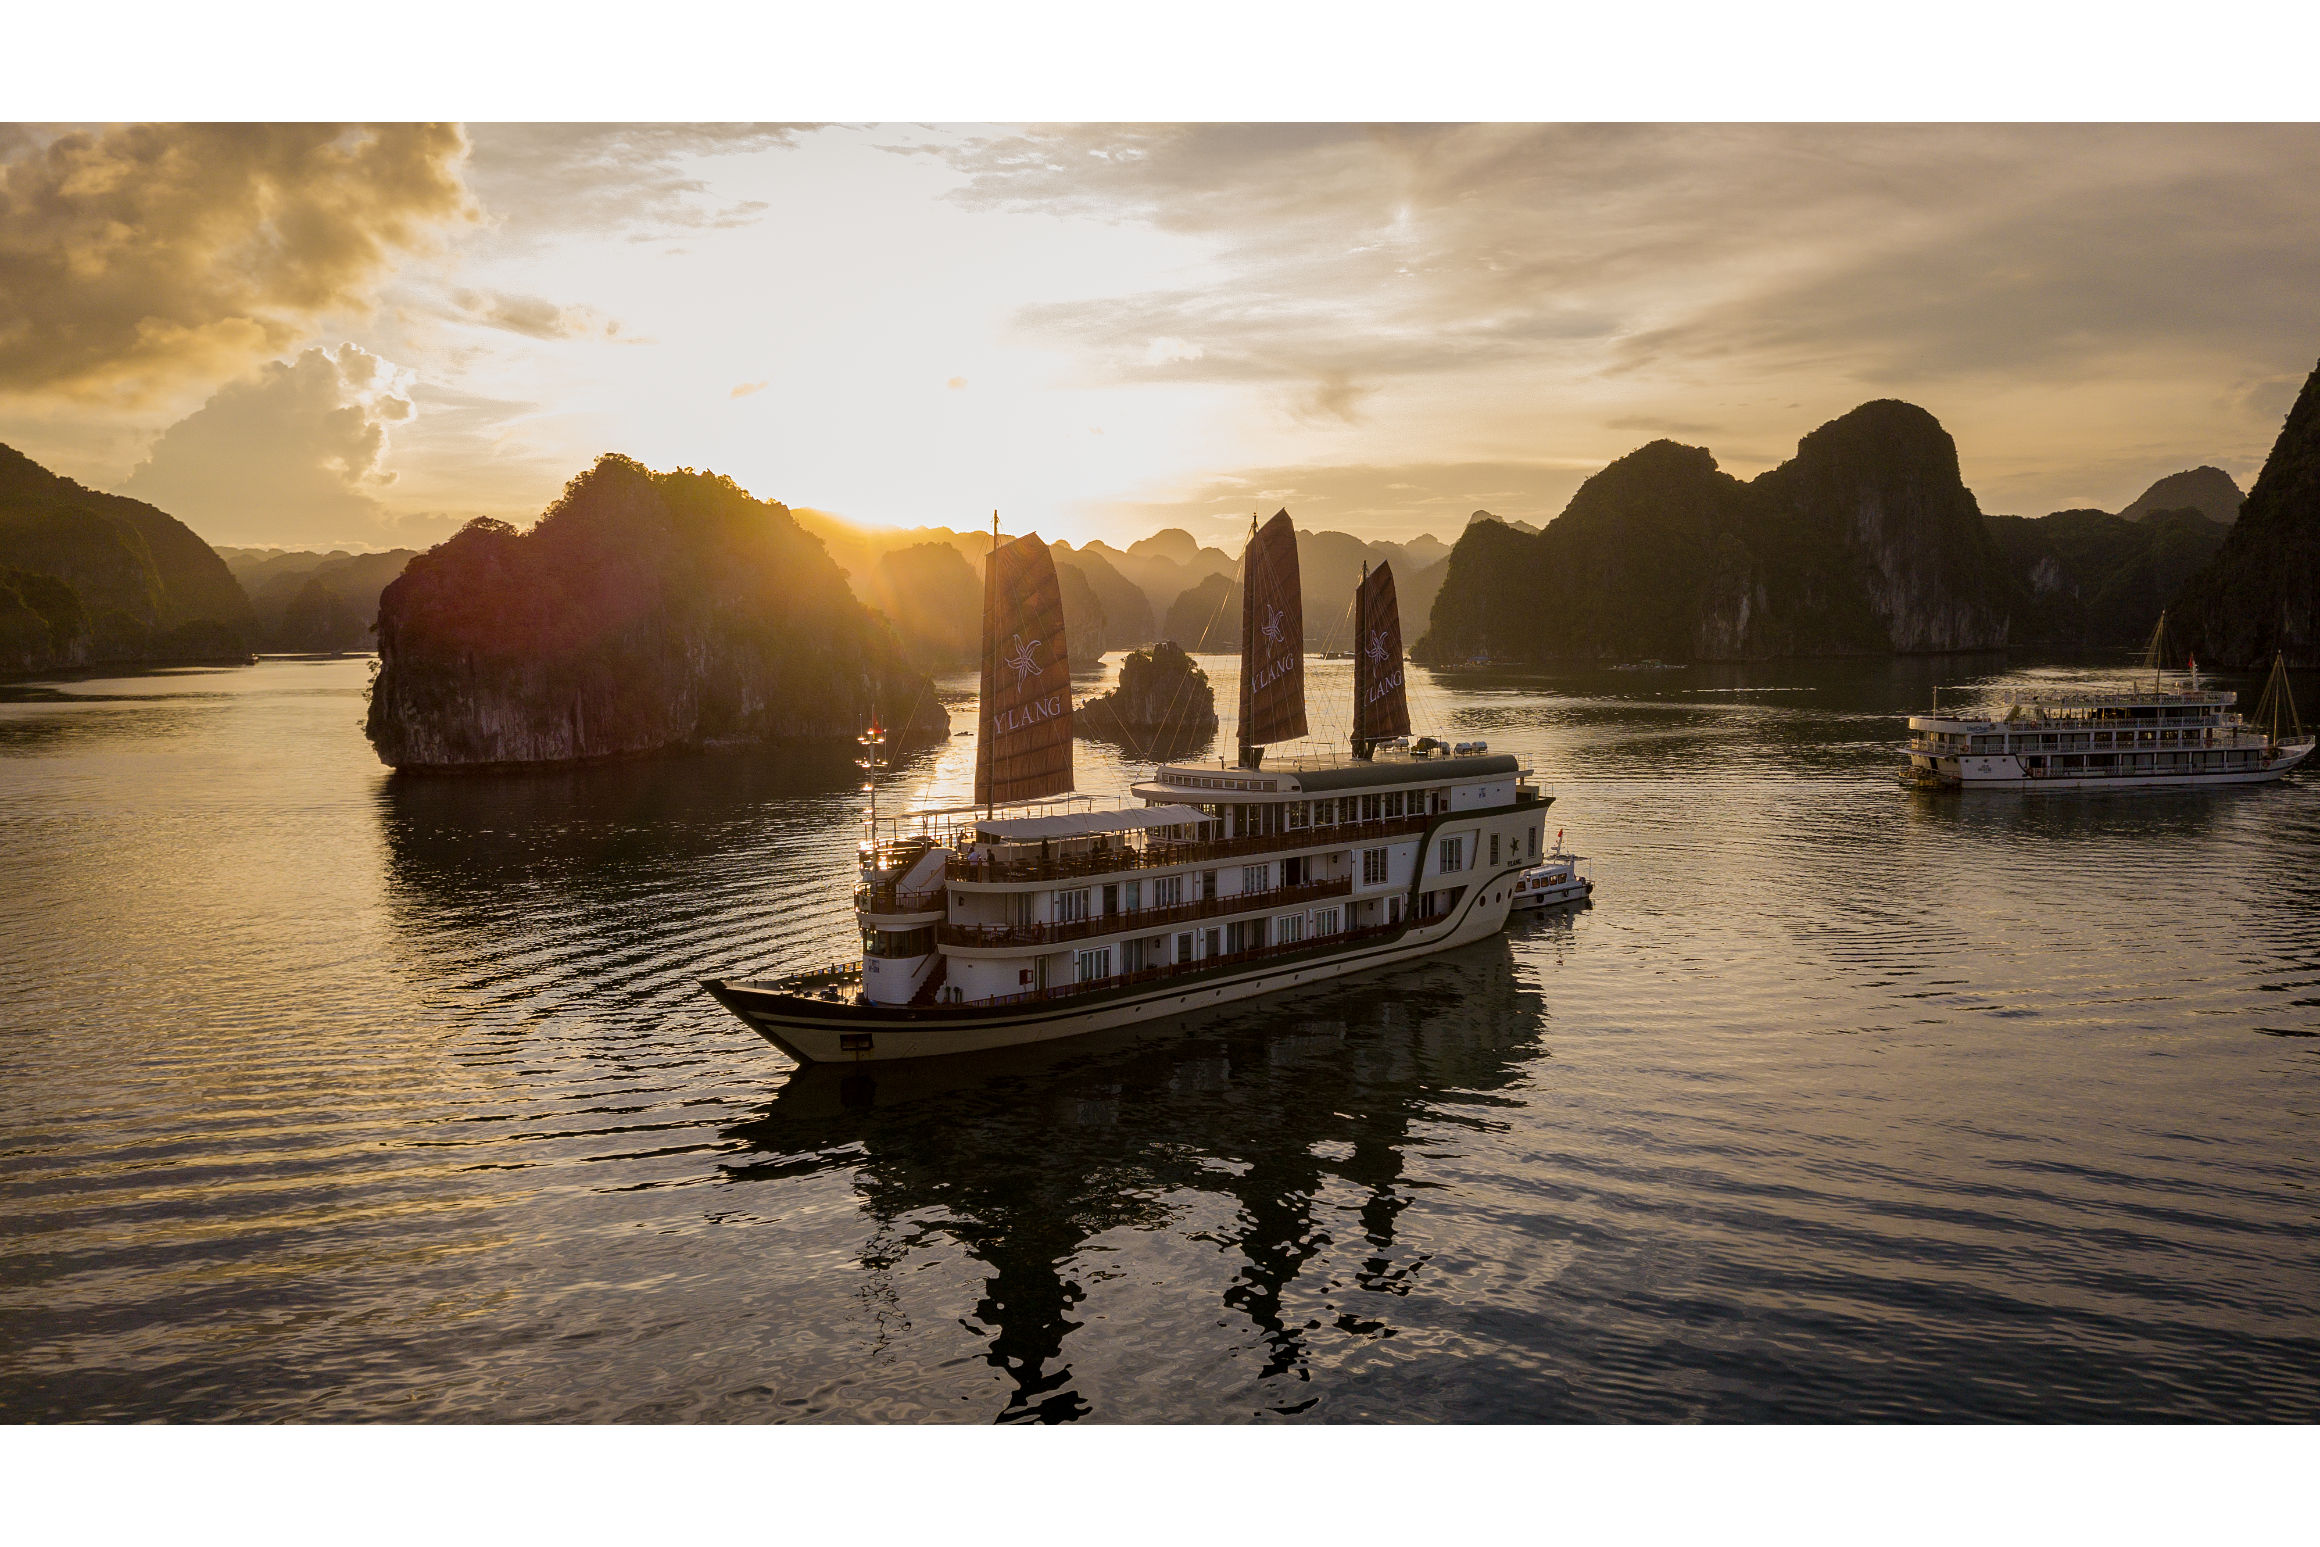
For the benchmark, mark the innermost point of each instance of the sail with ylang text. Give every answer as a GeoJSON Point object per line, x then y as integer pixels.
{"type": "Point", "coordinates": [1272, 637]}
{"type": "Point", "coordinates": [1023, 746]}
{"type": "Point", "coordinates": [1381, 704]}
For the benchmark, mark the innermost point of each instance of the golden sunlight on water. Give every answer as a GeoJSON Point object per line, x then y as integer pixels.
{"type": "Point", "coordinates": [338, 1095]}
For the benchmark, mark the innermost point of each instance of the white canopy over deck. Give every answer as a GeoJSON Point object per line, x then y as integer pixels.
{"type": "Point", "coordinates": [1085, 824]}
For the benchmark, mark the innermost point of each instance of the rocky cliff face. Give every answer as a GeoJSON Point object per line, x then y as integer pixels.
{"type": "Point", "coordinates": [2208, 490]}
{"type": "Point", "coordinates": [308, 601]}
{"type": "Point", "coordinates": [144, 588]}
{"type": "Point", "coordinates": [2261, 592]}
{"type": "Point", "coordinates": [1206, 616]}
{"type": "Point", "coordinates": [644, 611]}
{"type": "Point", "coordinates": [1112, 613]}
{"type": "Point", "coordinates": [2086, 579]}
{"type": "Point", "coordinates": [1872, 511]}
{"type": "Point", "coordinates": [1865, 542]}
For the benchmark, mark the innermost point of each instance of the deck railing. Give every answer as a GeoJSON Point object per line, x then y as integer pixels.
{"type": "Point", "coordinates": [891, 899]}
{"type": "Point", "coordinates": [1259, 953]}
{"type": "Point", "coordinates": [1136, 921]}
{"type": "Point", "coordinates": [1156, 856]}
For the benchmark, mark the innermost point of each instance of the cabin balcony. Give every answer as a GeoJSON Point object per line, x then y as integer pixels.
{"type": "Point", "coordinates": [887, 900]}
{"type": "Point", "coordinates": [1119, 859]}
{"type": "Point", "coordinates": [1312, 944]}
{"type": "Point", "coordinates": [1139, 920]}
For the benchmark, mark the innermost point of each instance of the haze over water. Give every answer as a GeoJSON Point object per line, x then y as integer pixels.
{"type": "Point", "coordinates": [339, 1096]}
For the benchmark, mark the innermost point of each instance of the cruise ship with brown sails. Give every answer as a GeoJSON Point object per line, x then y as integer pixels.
{"type": "Point", "coordinates": [1028, 917]}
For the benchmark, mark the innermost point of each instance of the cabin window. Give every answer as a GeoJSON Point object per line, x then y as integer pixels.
{"type": "Point", "coordinates": [1373, 867]}
{"type": "Point", "coordinates": [1111, 897]}
{"type": "Point", "coordinates": [1212, 945]}
{"type": "Point", "coordinates": [1132, 895]}
{"type": "Point", "coordinates": [1071, 907]}
{"type": "Point", "coordinates": [1296, 872]}
{"type": "Point", "coordinates": [1288, 928]}
{"type": "Point", "coordinates": [1091, 965]}
{"type": "Point", "coordinates": [1132, 956]}
{"type": "Point", "coordinates": [1208, 885]}
{"type": "Point", "coordinates": [1393, 910]}
{"type": "Point", "coordinates": [1450, 855]}
{"type": "Point", "coordinates": [891, 944]}
{"type": "Point", "coordinates": [1184, 946]}
{"type": "Point", "coordinates": [1394, 799]}
{"type": "Point", "coordinates": [1325, 921]}
{"type": "Point", "coordinates": [1372, 807]}
{"type": "Point", "coordinates": [1494, 848]}
{"type": "Point", "coordinates": [1324, 813]}
{"type": "Point", "coordinates": [1167, 891]}
{"type": "Point", "coordinates": [1300, 814]}
{"type": "Point", "coordinates": [1256, 878]}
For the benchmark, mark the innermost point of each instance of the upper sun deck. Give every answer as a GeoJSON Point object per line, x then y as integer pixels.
{"type": "Point", "coordinates": [2027, 707]}
{"type": "Point", "coordinates": [1289, 777]}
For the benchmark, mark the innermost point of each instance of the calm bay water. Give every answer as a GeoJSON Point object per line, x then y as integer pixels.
{"type": "Point", "coordinates": [339, 1096]}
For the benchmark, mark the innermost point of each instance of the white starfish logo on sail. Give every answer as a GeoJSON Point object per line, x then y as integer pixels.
{"type": "Point", "coordinates": [1024, 658]}
{"type": "Point", "coordinates": [1377, 646]}
{"type": "Point", "coordinates": [1272, 625]}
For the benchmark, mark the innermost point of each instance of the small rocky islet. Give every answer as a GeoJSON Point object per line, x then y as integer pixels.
{"type": "Point", "coordinates": [1163, 705]}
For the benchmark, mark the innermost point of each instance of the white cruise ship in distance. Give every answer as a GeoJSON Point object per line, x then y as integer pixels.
{"type": "Point", "coordinates": [2179, 733]}
{"type": "Point", "coordinates": [1026, 918]}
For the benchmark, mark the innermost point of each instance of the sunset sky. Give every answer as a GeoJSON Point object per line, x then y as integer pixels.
{"type": "Point", "coordinates": [300, 336]}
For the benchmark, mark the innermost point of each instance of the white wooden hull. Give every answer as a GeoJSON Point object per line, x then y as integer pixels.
{"type": "Point", "coordinates": [822, 1031]}
{"type": "Point", "coordinates": [2009, 773]}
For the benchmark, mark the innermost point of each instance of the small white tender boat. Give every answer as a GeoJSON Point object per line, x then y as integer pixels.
{"type": "Point", "coordinates": [1554, 880]}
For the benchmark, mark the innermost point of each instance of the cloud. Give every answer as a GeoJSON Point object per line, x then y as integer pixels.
{"type": "Point", "coordinates": [957, 384]}
{"type": "Point", "coordinates": [1337, 397]}
{"type": "Point", "coordinates": [1168, 351]}
{"type": "Point", "coordinates": [2055, 292]}
{"type": "Point", "coordinates": [641, 180]}
{"type": "Point", "coordinates": [750, 388]}
{"type": "Point", "coordinates": [532, 316]}
{"type": "Point", "coordinates": [1367, 500]}
{"type": "Point", "coordinates": [136, 259]}
{"type": "Point", "coordinates": [292, 455]}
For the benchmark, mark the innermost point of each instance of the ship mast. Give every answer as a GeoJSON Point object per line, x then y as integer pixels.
{"type": "Point", "coordinates": [1249, 754]}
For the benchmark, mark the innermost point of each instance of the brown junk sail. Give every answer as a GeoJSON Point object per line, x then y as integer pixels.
{"type": "Point", "coordinates": [1023, 746]}
{"type": "Point", "coordinates": [1381, 706]}
{"type": "Point", "coordinates": [1272, 640]}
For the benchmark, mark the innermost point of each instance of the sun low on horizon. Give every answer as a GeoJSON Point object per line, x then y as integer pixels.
{"type": "Point", "coordinates": [366, 337]}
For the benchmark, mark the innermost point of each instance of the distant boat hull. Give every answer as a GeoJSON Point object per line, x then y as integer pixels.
{"type": "Point", "coordinates": [817, 1030]}
{"type": "Point", "coordinates": [2010, 773]}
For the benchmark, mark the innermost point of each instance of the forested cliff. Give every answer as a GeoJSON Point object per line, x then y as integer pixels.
{"type": "Point", "coordinates": [643, 611]}
{"type": "Point", "coordinates": [1866, 542]}
{"type": "Point", "coordinates": [88, 578]}
{"type": "Point", "coordinates": [2261, 593]}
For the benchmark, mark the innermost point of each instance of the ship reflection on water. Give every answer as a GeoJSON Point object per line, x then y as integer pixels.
{"type": "Point", "coordinates": [1297, 1118]}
